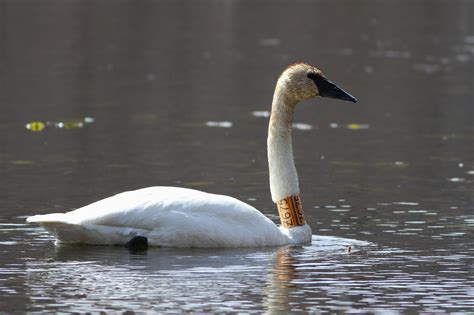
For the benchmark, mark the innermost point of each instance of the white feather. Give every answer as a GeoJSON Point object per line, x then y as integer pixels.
{"type": "Point", "coordinates": [168, 216]}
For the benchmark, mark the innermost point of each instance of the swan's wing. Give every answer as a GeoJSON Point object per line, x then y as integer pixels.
{"type": "Point", "coordinates": [132, 208]}
{"type": "Point", "coordinates": [168, 216]}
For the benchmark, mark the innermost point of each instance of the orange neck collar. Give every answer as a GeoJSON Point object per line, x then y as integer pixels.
{"type": "Point", "coordinates": [291, 212]}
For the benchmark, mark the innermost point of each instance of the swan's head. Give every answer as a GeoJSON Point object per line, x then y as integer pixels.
{"type": "Point", "coordinates": [301, 81]}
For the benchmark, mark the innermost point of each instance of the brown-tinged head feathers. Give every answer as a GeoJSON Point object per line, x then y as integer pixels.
{"type": "Point", "coordinates": [300, 81]}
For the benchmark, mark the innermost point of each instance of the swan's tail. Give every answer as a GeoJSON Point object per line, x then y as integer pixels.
{"type": "Point", "coordinates": [44, 218]}
{"type": "Point", "coordinates": [56, 224]}
{"type": "Point", "coordinates": [73, 233]}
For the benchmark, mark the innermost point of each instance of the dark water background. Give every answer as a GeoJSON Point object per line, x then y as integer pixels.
{"type": "Point", "coordinates": [143, 93]}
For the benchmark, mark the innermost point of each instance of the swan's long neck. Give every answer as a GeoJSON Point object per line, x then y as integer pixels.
{"type": "Point", "coordinates": [284, 184]}
{"type": "Point", "coordinates": [283, 176]}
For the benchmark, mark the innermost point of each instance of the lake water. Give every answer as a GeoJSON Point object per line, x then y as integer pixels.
{"type": "Point", "coordinates": [130, 94]}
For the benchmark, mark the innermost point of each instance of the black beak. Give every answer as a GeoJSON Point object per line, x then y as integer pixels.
{"type": "Point", "coordinates": [328, 89]}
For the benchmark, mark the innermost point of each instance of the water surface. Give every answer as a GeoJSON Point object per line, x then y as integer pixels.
{"type": "Point", "coordinates": [134, 94]}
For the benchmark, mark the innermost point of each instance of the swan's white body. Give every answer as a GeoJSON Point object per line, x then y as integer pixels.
{"type": "Point", "coordinates": [171, 217]}
{"type": "Point", "coordinates": [178, 217]}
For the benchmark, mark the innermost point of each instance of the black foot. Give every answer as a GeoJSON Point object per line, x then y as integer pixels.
{"type": "Point", "coordinates": [138, 243]}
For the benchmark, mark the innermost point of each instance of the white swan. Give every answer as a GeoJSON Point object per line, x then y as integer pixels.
{"type": "Point", "coordinates": [179, 217]}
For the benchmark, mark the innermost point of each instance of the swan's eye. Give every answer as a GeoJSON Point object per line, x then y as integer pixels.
{"type": "Point", "coordinates": [316, 77]}
{"type": "Point", "coordinates": [313, 76]}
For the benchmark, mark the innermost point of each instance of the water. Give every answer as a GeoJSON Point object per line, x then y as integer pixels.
{"type": "Point", "coordinates": [134, 94]}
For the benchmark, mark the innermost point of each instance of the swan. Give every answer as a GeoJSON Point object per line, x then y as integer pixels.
{"type": "Point", "coordinates": [181, 217]}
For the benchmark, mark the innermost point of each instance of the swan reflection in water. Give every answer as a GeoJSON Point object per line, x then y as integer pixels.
{"type": "Point", "coordinates": [280, 282]}
{"type": "Point", "coordinates": [95, 278]}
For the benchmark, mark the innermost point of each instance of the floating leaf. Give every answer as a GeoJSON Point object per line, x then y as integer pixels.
{"type": "Point", "coordinates": [73, 124]}
{"type": "Point", "coordinates": [35, 126]}
{"type": "Point", "coordinates": [357, 126]}
{"type": "Point", "coordinates": [69, 124]}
